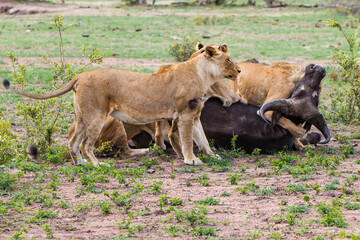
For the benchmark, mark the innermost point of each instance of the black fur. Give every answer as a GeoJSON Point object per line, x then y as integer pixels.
{"type": "Point", "coordinates": [33, 152]}
{"type": "Point", "coordinates": [6, 83]}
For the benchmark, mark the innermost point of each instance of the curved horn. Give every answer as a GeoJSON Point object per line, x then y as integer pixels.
{"type": "Point", "coordinates": [281, 105]}
{"type": "Point", "coordinates": [319, 122]}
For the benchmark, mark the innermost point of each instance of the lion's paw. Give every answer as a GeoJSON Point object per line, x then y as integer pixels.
{"type": "Point", "coordinates": [297, 131]}
{"type": "Point", "coordinates": [81, 161]}
{"type": "Point", "coordinates": [227, 102]}
{"type": "Point", "coordinates": [299, 145]}
{"type": "Point", "coordinates": [194, 161]}
{"type": "Point", "coordinates": [104, 164]}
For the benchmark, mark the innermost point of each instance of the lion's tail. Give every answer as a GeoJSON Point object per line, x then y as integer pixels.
{"type": "Point", "coordinates": [33, 153]}
{"type": "Point", "coordinates": [68, 87]}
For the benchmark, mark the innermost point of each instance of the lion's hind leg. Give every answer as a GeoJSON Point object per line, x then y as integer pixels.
{"type": "Point", "coordinates": [76, 137]}
{"type": "Point", "coordinates": [174, 138]}
{"type": "Point", "coordinates": [159, 134]}
{"type": "Point", "coordinates": [93, 125]}
{"type": "Point", "coordinates": [122, 143]}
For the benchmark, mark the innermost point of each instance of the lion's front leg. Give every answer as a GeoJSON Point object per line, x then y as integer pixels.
{"type": "Point", "coordinates": [200, 138]}
{"type": "Point", "coordinates": [186, 124]}
{"type": "Point", "coordinates": [227, 96]}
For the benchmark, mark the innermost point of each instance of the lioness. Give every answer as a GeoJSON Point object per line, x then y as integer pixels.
{"type": "Point", "coordinates": [258, 84]}
{"type": "Point", "coordinates": [118, 134]}
{"type": "Point", "coordinates": [141, 98]}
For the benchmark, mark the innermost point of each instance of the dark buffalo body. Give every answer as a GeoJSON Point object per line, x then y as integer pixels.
{"type": "Point", "coordinates": [221, 124]}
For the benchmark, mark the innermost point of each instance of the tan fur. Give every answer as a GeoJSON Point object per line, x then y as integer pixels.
{"type": "Point", "coordinates": [141, 98]}
{"type": "Point", "coordinates": [218, 89]}
{"type": "Point", "coordinates": [113, 130]}
{"type": "Point", "coordinates": [118, 134]}
{"type": "Point", "coordinates": [258, 84]}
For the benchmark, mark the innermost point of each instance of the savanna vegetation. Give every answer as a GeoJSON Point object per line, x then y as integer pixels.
{"type": "Point", "coordinates": [311, 194]}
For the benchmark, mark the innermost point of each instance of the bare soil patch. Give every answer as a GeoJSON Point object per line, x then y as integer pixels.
{"type": "Point", "coordinates": [235, 215]}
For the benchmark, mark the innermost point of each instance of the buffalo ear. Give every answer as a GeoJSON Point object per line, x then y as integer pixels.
{"type": "Point", "coordinates": [210, 51]}
{"type": "Point", "coordinates": [199, 46]}
{"type": "Point", "coordinates": [223, 48]}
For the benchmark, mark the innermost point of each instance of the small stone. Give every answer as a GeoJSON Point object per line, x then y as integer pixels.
{"type": "Point", "coordinates": [150, 171]}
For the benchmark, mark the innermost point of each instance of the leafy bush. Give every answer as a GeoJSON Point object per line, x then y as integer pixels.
{"type": "Point", "coordinates": [7, 142]}
{"type": "Point", "coordinates": [345, 100]}
{"type": "Point", "coordinates": [7, 180]}
{"type": "Point", "coordinates": [131, 2]}
{"type": "Point", "coordinates": [183, 50]}
{"type": "Point", "coordinates": [213, 20]}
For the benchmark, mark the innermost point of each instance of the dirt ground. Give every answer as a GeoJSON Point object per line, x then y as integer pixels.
{"type": "Point", "coordinates": [234, 217]}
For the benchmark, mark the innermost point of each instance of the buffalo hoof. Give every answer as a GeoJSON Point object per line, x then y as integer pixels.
{"type": "Point", "coordinates": [194, 162]}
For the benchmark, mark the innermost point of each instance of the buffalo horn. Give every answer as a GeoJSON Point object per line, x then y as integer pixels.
{"type": "Point", "coordinates": [319, 122]}
{"type": "Point", "coordinates": [281, 105]}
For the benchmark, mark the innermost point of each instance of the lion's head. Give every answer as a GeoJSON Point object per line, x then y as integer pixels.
{"type": "Point", "coordinates": [222, 64]}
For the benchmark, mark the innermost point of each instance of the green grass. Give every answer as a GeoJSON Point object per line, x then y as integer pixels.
{"type": "Point", "coordinates": [253, 33]}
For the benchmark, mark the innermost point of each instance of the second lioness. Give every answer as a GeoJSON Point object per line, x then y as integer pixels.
{"type": "Point", "coordinates": [258, 84]}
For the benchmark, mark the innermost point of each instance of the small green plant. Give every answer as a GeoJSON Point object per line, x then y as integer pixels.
{"type": "Point", "coordinates": [163, 200]}
{"type": "Point", "coordinates": [209, 201]}
{"type": "Point", "coordinates": [295, 187]}
{"type": "Point", "coordinates": [18, 234]}
{"type": "Point", "coordinates": [183, 50]}
{"type": "Point", "coordinates": [253, 235]}
{"type": "Point", "coordinates": [175, 201]}
{"type": "Point", "coordinates": [204, 180]}
{"type": "Point", "coordinates": [105, 207]}
{"type": "Point", "coordinates": [352, 206]}
{"type": "Point", "coordinates": [298, 209]}
{"type": "Point", "coordinates": [233, 178]}
{"type": "Point", "coordinates": [226, 194]}
{"type": "Point", "coordinates": [148, 163]}
{"type": "Point", "coordinates": [155, 187]}
{"type": "Point", "coordinates": [260, 163]}
{"type": "Point", "coordinates": [174, 230]}
{"type": "Point", "coordinates": [48, 231]}
{"type": "Point", "coordinates": [332, 215]}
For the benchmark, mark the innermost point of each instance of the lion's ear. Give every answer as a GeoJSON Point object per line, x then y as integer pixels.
{"type": "Point", "coordinates": [210, 51]}
{"type": "Point", "coordinates": [223, 48]}
{"type": "Point", "coordinates": [199, 46]}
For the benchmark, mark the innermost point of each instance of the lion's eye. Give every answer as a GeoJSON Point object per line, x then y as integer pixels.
{"type": "Point", "coordinates": [229, 61]}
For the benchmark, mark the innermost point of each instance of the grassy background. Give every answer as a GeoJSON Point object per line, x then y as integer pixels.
{"type": "Point", "coordinates": [275, 34]}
